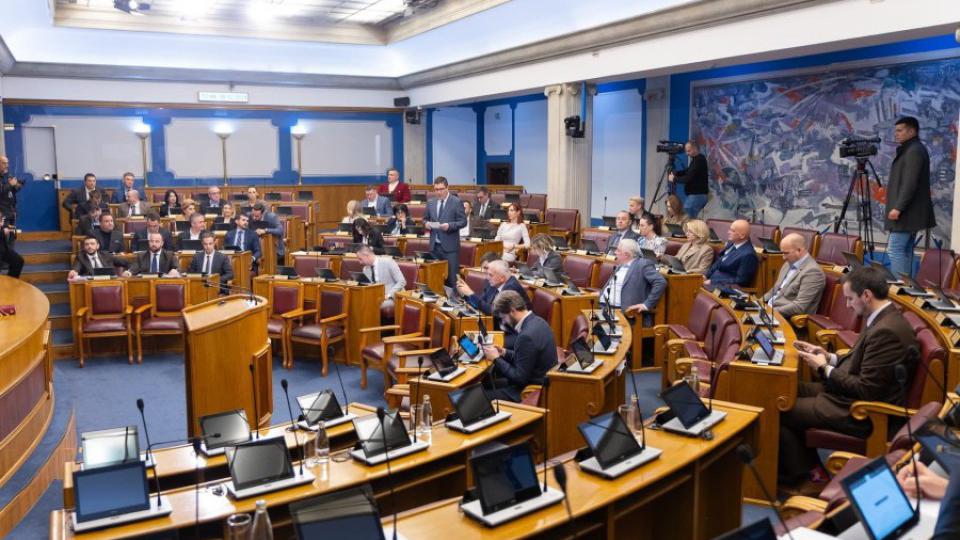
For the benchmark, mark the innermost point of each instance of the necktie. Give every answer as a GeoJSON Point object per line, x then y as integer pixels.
{"type": "Point", "coordinates": [240, 238]}
{"type": "Point", "coordinates": [96, 261]}
{"type": "Point", "coordinates": [792, 268]}
{"type": "Point", "coordinates": [155, 264]}
{"type": "Point", "coordinates": [373, 273]}
{"type": "Point", "coordinates": [206, 264]}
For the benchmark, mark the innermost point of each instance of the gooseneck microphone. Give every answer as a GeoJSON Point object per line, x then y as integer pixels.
{"type": "Point", "coordinates": [149, 452]}
{"type": "Point", "coordinates": [900, 372]}
{"type": "Point", "coordinates": [546, 434]}
{"type": "Point", "coordinates": [256, 406]}
{"type": "Point", "coordinates": [636, 397]}
{"type": "Point", "coordinates": [745, 453]}
{"type": "Point", "coordinates": [952, 418]}
{"type": "Point", "coordinates": [343, 389]}
{"type": "Point", "coordinates": [293, 422]}
{"type": "Point", "coordinates": [381, 414]}
{"type": "Point", "coordinates": [560, 475]}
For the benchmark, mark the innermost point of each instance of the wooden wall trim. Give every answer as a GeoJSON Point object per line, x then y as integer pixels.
{"type": "Point", "coordinates": [17, 402]}
{"type": "Point", "coordinates": [155, 105]}
{"type": "Point", "coordinates": [17, 447]}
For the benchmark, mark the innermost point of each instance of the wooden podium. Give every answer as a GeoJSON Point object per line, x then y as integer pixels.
{"type": "Point", "coordinates": [223, 338]}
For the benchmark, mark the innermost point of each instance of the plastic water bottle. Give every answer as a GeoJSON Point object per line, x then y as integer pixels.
{"type": "Point", "coordinates": [693, 379]}
{"type": "Point", "coordinates": [426, 421]}
{"type": "Point", "coordinates": [322, 445]}
{"type": "Point", "coordinates": [262, 529]}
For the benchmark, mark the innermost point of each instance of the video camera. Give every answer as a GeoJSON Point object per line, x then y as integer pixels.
{"type": "Point", "coordinates": [859, 148]}
{"type": "Point", "coordinates": [670, 147]}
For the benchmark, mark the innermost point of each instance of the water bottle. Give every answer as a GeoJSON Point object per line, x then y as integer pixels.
{"type": "Point", "coordinates": [693, 379]}
{"type": "Point", "coordinates": [426, 421]}
{"type": "Point", "coordinates": [262, 529]}
{"type": "Point", "coordinates": [322, 445]}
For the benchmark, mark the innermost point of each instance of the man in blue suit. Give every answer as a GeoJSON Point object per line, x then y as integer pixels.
{"type": "Point", "coordinates": [274, 229]}
{"type": "Point", "coordinates": [534, 353]}
{"type": "Point", "coordinates": [126, 184]}
{"type": "Point", "coordinates": [635, 286]}
{"type": "Point", "coordinates": [444, 219]}
{"type": "Point", "coordinates": [737, 263]}
{"type": "Point", "coordinates": [499, 279]}
{"type": "Point", "coordinates": [244, 238]}
{"type": "Point", "coordinates": [379, 203]}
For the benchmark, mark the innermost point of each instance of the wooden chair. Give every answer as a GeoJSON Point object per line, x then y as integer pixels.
{"type": "Point", "coordinates": [410, 327]}
{"type": "Point", "coordinates": [286, 300]}
{"type": "Point", "coordinates": [106, 313]}
{"type": "Point", "coordinates": [329, 325]}
{"type": "Point", "coordinates": [405, 364]}
{"type": "Point", "coordinates": [162, 316]}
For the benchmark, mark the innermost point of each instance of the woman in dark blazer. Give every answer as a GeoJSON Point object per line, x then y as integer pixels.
{"type": "Point", "coordinates": [363, 233]}
{"type": "Point", "coordinates": [171, 204]}
{"type": "Point", "coordinates": [400, 223]}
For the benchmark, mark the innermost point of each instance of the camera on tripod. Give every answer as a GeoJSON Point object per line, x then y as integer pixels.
{"type": "Point", "coordinates": [669, 147]}
{"type": "Point", "coordinates": [859, 148]}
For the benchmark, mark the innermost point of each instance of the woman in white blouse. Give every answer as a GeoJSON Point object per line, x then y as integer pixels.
{"type": "Point", "coordinates": [513, 232]}
{"type": "Point", "coordinates": [650, 236]}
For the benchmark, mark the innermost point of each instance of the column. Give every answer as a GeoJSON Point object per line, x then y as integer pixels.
{"type": "Point", "coordinates": [657, 117]}
{"type": "Point", "coordinates": [415, 151]}
{"type": "Point", "coordinates": [955, 219]}
{"type": "Point", "coordinates": [569, 160]}
{"type": "Point", "coordinates": [3, 146]}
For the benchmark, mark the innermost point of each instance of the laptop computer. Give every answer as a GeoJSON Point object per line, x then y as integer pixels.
{"type": "Point", "coordinates": [470, 351]}
{"type": "Point", "coordinates": [113, 495]}
{"type": "Point", "coordinates": [673, 264]}
{"type": "Point", "coordinates": [590, 246]}
{"type": "Point", "coordinates": [507, 485]}
{"type": "Point", "coordinates": [604, 342]}
{"type": "Point", "coordinates": [474, 410]}
{"type": "Point", "coordinates": [551, 278]}
{"type": "Point", "coordinates": [287, 271]}
{"type": "Point", "coordinates": [942, 444]}
{"type": "Point", "coordinates": [913, 288]}
{"type": "Point", "coordinates": [371, 434]}
{"type": "Point", "coordinates": [615, 449]}
{"type": "Point", "coordinates": [325, 274]}
{"type": "Point", "coordinates": [610, 221]}
{"type": "Point", "coordinates": [350, 513]}
{"type": "Point", "coordinates": [322, 406]}
{"type": "Point", "coordinates": [690, 415]}
{"type": "Point", "coordinates": [262, 466]}
{"type": "Point", "coordinates": [445, 368]}
{"type": "Point", "coordinates": [769, 246]}
{"type": "Point", "coordinates": [766, 355]}
{"type": "Point", "coordinates": [649, 255]}
{"type": "Point", "coordinates": [853, 261]}
{"type": "Point", "coordinates": [525, 272]}
{"type": "Point", "coordinates": [675, 231]}
{"type": "Point", "coordinates": [360, 278]}
{"type": "Point", "coordinates": [883, 508]}
{"type": "Point", "coordinates": [582, 360]}
{"type": "Point", "coordinates": [891, 279]}
{"type": "Point", "coordinates": [713, 236]}
{"type": "Point", "coordinates": [104, 271]}
{"type": "Point", "coordinates": [232, 427]}
{"type": "Point", "coordinates": [943, 302]}
{"type": "Point", "coordinates": [223, 226]}
{"type": "Point", "coordinates": [368, 211]}
{"type": "Point", "coordinates": [190, 245]}
{"type": "Point", "coordinates": [105, 447]}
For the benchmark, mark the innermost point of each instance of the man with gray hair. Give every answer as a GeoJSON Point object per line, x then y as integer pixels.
{"type": "Point", "coordinates": [499, 279]}
{"type": "Point", "coordinates": [382, 269]}
{"type": "Point", "coordinates": [534, 352]}
{"type": "Point", "coordinates": [635, 286]}
{"type": "Point", "coordinates": [801, 281]}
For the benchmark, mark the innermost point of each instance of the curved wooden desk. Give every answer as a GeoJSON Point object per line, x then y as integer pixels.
{"type": "Point", "coordinates": [25, 374]}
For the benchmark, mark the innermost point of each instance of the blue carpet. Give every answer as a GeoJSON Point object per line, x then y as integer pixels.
{"type": "Point", "coordinates": [62, 336]}
{"type": "Point", "coordinates": [45, 267]}
{"type": "Point", "coordinates": [37, 522]}
{"type": "Point", "coordinates": [60, 310]}
{"type": "Point", "coordinates": [57, 286]}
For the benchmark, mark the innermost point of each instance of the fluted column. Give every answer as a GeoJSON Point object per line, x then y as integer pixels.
{"type": "Point", "coordinates": [415, 151]}
{"type": "Point", "coordinates": [569, 160]}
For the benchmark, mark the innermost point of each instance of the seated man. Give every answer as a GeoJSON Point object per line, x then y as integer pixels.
{"type": "Point", "coordinates": [274, 228]}
{"type": "Point", "coordinates": [89, 223]}
{"type": "Point", "coordinates": [110, 238]}
{"type": "Point", "coordinates": [210, 261]}
{"type": "Point", "coordinates": [243, 238]}
{"type": "Point", "coordinates": [801, 281]}
{"type": "Point", "coordinates": [623, 232]}
{"type": "Point", "coordinates": [379, 203]}
{"type": "Point", "coordinates": [635, 286]}
{"type": "Point", "coordinates": [95, 201]}
{"type": "Point", "coordinates": [153, 226]}
{"type": "Point", "coordinates": [195, 231]}
{"type": "Point", "coordinates": [499, 279]}
{"type": "Point", "coordinates": [91, 257]}
{"type": "Point", "coordinates": [214, 204]}
{"type": "Point", "coordinates": [866, 373]}
{"type": "Point", "coordinates": [737, 263]}
{"type": "Point", "coordinates": [534, 354]}
{"type": "Point", "coordinates": [155, 260]}
{"type": "Point", "coordinates": [134, 205]}
{"type": "Point", "coordinates": [121, 194]}
{"type": "Point", "coordinates": [382, 269]}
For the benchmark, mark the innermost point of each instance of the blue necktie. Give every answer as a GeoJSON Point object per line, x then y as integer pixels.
{"type": "Point", "coordinates": [155, 263]}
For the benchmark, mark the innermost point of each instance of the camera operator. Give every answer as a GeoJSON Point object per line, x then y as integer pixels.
{"type": "Point", "coordinates": [909, 206]}
{"type": "Point", "coordinates": [695, 180]}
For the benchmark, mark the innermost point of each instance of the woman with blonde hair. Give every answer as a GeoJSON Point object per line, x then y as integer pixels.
{"type": "Point", "coordinates": [696, 254]}
{"type": "Point", "coordinates": [227, 213]}
{"type": "Point", "coordinates": [675, 214]}
{"type": "Point", "coordinates": [354, 211]}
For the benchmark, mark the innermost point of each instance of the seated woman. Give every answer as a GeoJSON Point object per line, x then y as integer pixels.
{"type": "Point", "coordinates": [171, 204]}
{"type": "Point", "coordinates": [696, 254]}
{"type": "Point", "coordinates": [189, 207]}
{"type": "Point", "coordinates": [400, 223]}
{"type": "Point", "coordinates": [675, 214]}
{"type": "Point", "coordinates": [468, 210]}
{"type": "Point", "coordinates": [354, 211]}
{"type": "Point", "coordinates": [227, 213]}
{"type": "Point", "coordinates": [364, 233]}
{"type": "Point", "coordinates": [545, 255]}
{"type": "Point", "coordinates": [513, 232]}
{"type": "Point", "coordinates": [650, 236]}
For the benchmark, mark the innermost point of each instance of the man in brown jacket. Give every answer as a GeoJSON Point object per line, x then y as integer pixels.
{"type": "Point", "coordinates": [866, 373]}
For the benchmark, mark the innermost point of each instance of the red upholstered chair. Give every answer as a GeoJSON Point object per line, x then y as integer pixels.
{"type": "Point", "coordinates": [720, 226]}
{"type": "Point", "coordinates": [417, 245]}
{"type": "Point", "coordinates": [476, 280]}
{"type": "Point", "coordinates": [602, 238]}
{"type": "Point", "coordinates": [302, 211]}
{"type": "Point", "coordinates": [497, 197]}
{"type": "Point", "coordinates": [832, 246]}
{"type": "Point", "coordinates": [695, 330]}
{"type": "Point", "coordinates": [163, 315]}
{"type": "Point", "coordinates": [580, 329]}
{"type": "Point", "coordinates": [349, 265]}
{"type": "Point", "coordinates": [673, 247]}
{"type": "Point", "coordinates": [810, 235]}
{"type": "Point", "coordinates": [724, 352]}
{"type": "Point", "coordinates": [336, 242]}
{"type": "Point", "coordinates": [286, 300]}
{"type": "Point", "coordinates": [468, 254]}
{"type": "Point", "coordinates": [410, 271]}
{"type": "Point", "coordinates": [537, 201]}
{"type": "Point", "coordinates": [377, 351]}
{"type": "Point", "coordinates": [106, 313]}
{"type": "Point", "coordinates": [328, 327]}
{"type": "Point", "coordinates": [306, 265]}
{"type": "Point", "coordinates": [937, 266]}
{"type": "Point", "coordinates": [404, 365]}
{"type": "Point", "coordinates": [681, 351]}
{"type": "Point", "coordinates": [760, 230]}
{"type": "Point", "coordinates": [837, 318]}
{"type": "Point", "coordinates": [580, 269]}
{"type": "Point", "coordinates": [564, 222]}
{"type": "Point", "coordinates": [417, 211]}
{"type": "Point", "coordinates": [133, 226]}
{"type": "Point", "coordinates": [157, 197]}
{"type": "Point", "coordinates": [604, 271]}
{"type": "Point", "coordinates": [544, 303]}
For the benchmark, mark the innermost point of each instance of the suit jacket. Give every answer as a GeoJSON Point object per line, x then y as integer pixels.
{"type": "Point", "coordinates": [948, 520]}
{"type": "Point", "coordinates": [140, 240]}
{"type": "Point", "coordinates": [616, 237]}
{"type": "Point", "coordinates": [802, 294]}
{"type": "Point", "coordinates": [275, 231]}
{"type": "Point", "coordinates": [79, 196]}
{"type": "Point", "coordinates": [387, 272]}
{"type": "Point", "coordinates": [908, 189]}
{"type": "Point", "coordinates": [533, 355]}
{"type": "Point", "coordinates": [484, 302]}
{"type": "Point", "coordinates": [126, 209]}
{"type": "Point", "coordinates": [453, 215]}
{"type": "Point", "coordinates": [374, 240]}
{"type": "Point", "coordinates": [487, 212]}
{"type": "Point", "coordinates": [251, 242]}
{"type": "Point", "coordinates": [643, 285]}
{"type": "Point", "coordinates": [86, 207]}
{"type": "Point", "coordinates": [8, 194]}
{"type": "Point", "coordinates": [739, 267]}
{"type": "Point", "coordinates": [120, 195]}
{"type": "Point", "coordinates": [185, 235]}
{"type": "Point", "coordinates": [381, 205]}
{"type": "Point", "coordinates": [167, 210]}
{"type": "Point", "coordinates": [141, 264]}
{"type": "Point", "coordinates": [86, 226]}
{"type": "Point", "coordinates": [111, 242]}
{"type": "Point", "coordinates": [553, 262]}
{"type": "Point", "coordinates": [405, 228]}
{"type": "Point", "coordinates": [401, 193]}
{"type": "Point", "coordinates": [696, 258]}
{"type": "Point", "coordinates": [83, 267]}
{"type": "Point", "coordinates": [220, 265]}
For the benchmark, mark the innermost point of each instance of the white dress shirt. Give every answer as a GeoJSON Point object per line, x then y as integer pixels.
{"type": "Point", "coordinates": [615, 286]}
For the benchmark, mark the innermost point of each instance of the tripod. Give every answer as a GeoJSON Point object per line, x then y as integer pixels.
{"type": "Point", "coordinates": [671, 187]}
{"type": "Point", "coordinates": [860, 182]}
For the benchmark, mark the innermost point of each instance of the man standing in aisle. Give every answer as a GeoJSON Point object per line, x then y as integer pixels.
{"type": "Point", "coordinates": [909, 206]}
{"type": "Point", "coordinates": [9, 187]}
{"type": "Point", "coordinates": [126, 185]}
{"type": "Point", "coordinates": [444, 219]}
{"type": "Point", "coordinates": [695, 180]}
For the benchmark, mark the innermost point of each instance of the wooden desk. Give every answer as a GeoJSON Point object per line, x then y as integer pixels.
{"type": "Point", "coordinates": [678, 298]}
{"type": "Point", "coordinates": [691, 492]}
{"type": "Point", "coordinates": [239, 262]}
{"type": "Point", "coordinates": [422, 478]}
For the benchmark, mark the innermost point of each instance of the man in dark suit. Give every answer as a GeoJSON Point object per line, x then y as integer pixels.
{"type": "Point", "coordinates": [695, 179]}
{"type": "Point", "coordinates": [210, 261]}
{"type": "Point", "coordinates": [214, 204]}
{"type": "Point", "coordinates": [499, 279]}
{"type": "Point", "coordinates": [737, 263]}
{"type": "Point", "coordinates": [909, 206]}
{"type": "Point", "coordinates": [155, 260]}
{"type": "Point", "coordinates": [126, 185]}
{"type": "Point", "coordinates": [444, 219]}
{"type": "Point", "coordinates": [624, 231]}
{"type": "Point", "coordinates": [273, 232]}
{"type": "Point", "coordinates": [635, 286]}
{"type": "Point", "coordinates": [866, 373]}
{"type": "Point", "coordinates": [89, 223]}
{"type": "Point", "coordinates": [9, 187]}
{"type": "Point", "coordinates": [483, 210]}
{"type": "Point", "coordinates": [94, 203]}
{"type": "Point", "coordinates": [534, 352]}
{"type": "Point", "coordinates": [8, 254]}
{"type": "Point", "coordinates": [545, 255]}
{"type": "Point", "coordinates": [110, 239]}
{"type": "Point", "coordinates": [81, 194]}
{"type": "Point", "coordinates": [379, 203]}
{"type": "Point", "coordinates": [90, 258]}
{"type": "Point", "coordinates": [244, 238]}
{"type": "Point", "coordinates": [153, 226]}
{"type": "Point", "coordinates": [196, 230]}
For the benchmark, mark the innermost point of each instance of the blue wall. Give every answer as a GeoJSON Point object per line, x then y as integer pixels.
{"type": "Point", "coordinates": [37, 206]}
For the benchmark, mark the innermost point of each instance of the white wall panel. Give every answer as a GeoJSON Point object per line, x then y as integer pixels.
{"type": "Point", "coordinates": [617, 129]}
{"type": "Point", "coordinates": [193, 149]}
{"type": "Point", "coordinates": [530, 161]}
{"type": "Point", "coordinates": [39, 151]}
{"type": "Point", "coordinates": [498, 130]}
{"type": "Point", "coordinates": [455, 144]}
{"type": "Point", "coordinates": [333, 147]}
{"type": "Point", "coordinates": [103, 145]}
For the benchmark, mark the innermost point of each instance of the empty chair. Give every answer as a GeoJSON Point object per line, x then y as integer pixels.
{"type": "Point", "coordinates": [580, 269]}
{"type": "Point", "coordinates": [106, 313]}
{"type": "Point", "coordinates": [162, 316]}
{"type": "Point", "coordinates": [832, 246]}
{"type": "Point", "coordinates": [601, 238]}
{"type": "Point", "coordinates": [937, 266]}
{"type": "Point", "coordinates": [327, 328]}
{"type": "Point", "coordinates": [721, 227]}
{"type": "Point", "coordinates": [564, 222]}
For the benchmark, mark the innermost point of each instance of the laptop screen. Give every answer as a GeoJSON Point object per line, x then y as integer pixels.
{"type": "Point", "coordinates": [879, 501]}
{"type": "Point", "coordinates": [505, 477]}
{"type": "Point", "coordinates": [469, 346]}
{"type": "Point", "coordinates": [350, 513]}
{"type": "Point", "coordinates": [442, 361]}
{"type": "Point", "coordinates": [583, 353]}
{"type": "Point", "coordinates": [942, 443]}
{"type": "Point", "coordinates": [609, 439]}
{"type": "Point", "coordinates": [758, 530]}
{"type": "Point", "coordinates": [764, 343]}
{"type": "Point", "coordinates": [685, 404]}
{"type": "Point", "coordinates": [602, 336]}
{"type": "Point", "coordinates": [319, 406]}
{"type": "Point", "coordinates": [231, 425]}
{"type": "Point", "coordinates": [371, 434]}
{"type": "Point", "coordinates": [259, 462]}
{"type": "Point", "coordinates": [471, 403]}
{"type": "Point", "coordinates": [110, 446]}
{"type": "Point", "coordinates": [111, 491]}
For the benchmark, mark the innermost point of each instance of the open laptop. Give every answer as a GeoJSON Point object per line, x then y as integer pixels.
{"type": "Point", "coordinates": [891, 279]}
{"type": "Point", "coordinates": [232, 427]}
{"type": "Point", "coordinates": [674, 265]}
{"type": "Point", "coordinates": [883, 508]}
{"type": "Point", "coordinates": [690, 415]}
{"type": "Point", "coordinates": [615, 450]}
{"type": "Point", "coordinates": [445, 368]}
{"type": "Point", "coordinates": [604, 342]}
{"type": "Point", "coordinates": [675, 231]}
{"type": "Point", "coordinates": [942, 443]}
{"type": "Point", "coordinates": [713, 236]}
{"type": "Point", "coordinates": [351, 513]}
{"type": "Point", "coordinates": [190, 245]}
{"type": "Point", "coordinates": [322, 406]}
{"type": "Point", "coordinates": [370, 433]}
{"type": "Point", "coordinates": [766, 355]}
{"type": "Point", "coordinates": [610, 221]}
{"type": "Point", "coordinates": [111, 446]}
{"type": "Point", "coordinates": [769, 246]}
{"type": "Point", "coordinates": [325, 274]}
{"type": "Point", "coordinates": [853, 262]}
{"type": "Point", "coordinates": [943, 302]}
{"type": "Point", "coordinates": [426, 291]}
{"type": "Point", "coordinates": [470, 351]}
{"type": "Point", "coordinates": [525, 272]}
{"type": "Point", "coordinates": [551, 279]}
{"type": "Point", "coordinates": [262, 466]}
{"type": "Point", "coordinates": [590, 246]}
{"type": "Point", "coordinates": [650, 255]}
{"type": "Point", "coordinates": [113, 495]}
{"type": "Point", "coordinates": [507, 485]}
{"type": "Point", "coordinates": [474, 410]}
{"type": "Point", "coordinates": [360, 278]}
{"type": "Point", "coordinates": [913, 288]}
{"type": "Point", "coordinates": [582, 360]}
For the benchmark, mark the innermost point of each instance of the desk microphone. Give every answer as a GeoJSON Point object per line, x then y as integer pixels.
{"type": "Point", "coordinates": [546, 434]}
{"type": "Point", "coordinates": [900, 372]}
{"type": "Point", "coordinates": [381, 414]}
{"type": "Point", "coordinates": [560, 475]}
{"type": "Point", "coordinates": [343, 389]}
{"type": "Point", "coordinates": [256, 406]}
{"type": "Point", "coordinates": [636, 397]}
{"type": "Point", "coordinates": [952, 418]}
{"type": "Point", "coordinates": [293, 424]}
{"type": "Point", "coordinates": [149, 453]}
{"type": "Point", "coordinates": [745, 453]}
{"type": "Point", "coordinates": [493, 382]}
